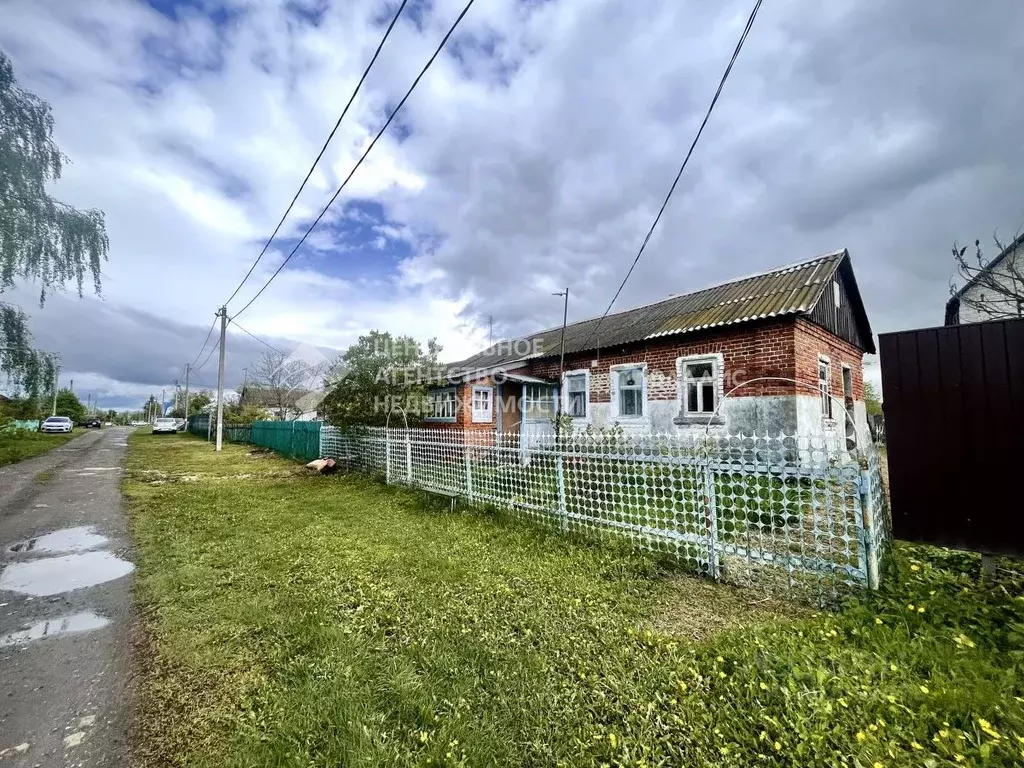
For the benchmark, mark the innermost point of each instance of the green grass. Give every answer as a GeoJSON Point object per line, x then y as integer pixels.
{"type": "Point", "coordinates": [297, 620]}
{"type": "Point", "coordinates": [20, 444]}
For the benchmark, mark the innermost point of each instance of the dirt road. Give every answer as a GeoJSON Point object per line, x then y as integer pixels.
{"type": "Point", "coordinates": [65, 607]}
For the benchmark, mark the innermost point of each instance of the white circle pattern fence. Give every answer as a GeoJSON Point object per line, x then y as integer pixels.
{"type": "Point", "coordinates": [779, 512]}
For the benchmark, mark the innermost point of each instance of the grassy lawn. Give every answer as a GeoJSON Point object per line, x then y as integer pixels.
{"type": "Point", "coordinates": [20, 444]}
{"type": "Point", "coordinates": [332, 621]}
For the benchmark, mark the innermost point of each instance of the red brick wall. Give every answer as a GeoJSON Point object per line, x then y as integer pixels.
{"type": "Point", "coordinates": [748, 352]}
{"type": "Point", "coordinates": [813, 340]}
{"type": "Point", "coordinates": [787, 347]}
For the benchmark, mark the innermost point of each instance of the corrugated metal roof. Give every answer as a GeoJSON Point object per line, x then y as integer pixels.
{"type": "Point", "coordinates": [789, 290]}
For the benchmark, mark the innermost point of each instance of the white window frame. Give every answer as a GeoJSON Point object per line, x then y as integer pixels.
{"type": "Point", "coordinates": [825, 392]}
{"type": "Point", "coordinates": [613, 372]}
{"type": "Point", "coordinates": [717, 361]}
{"type": "Point", "coordinates": [436, 398]}
{"type": "Point", "coordinates": [566, 399]}
{"type": "Point", "coordinates": [482, 415]}
{"type": "Point", "coordinates": [837, 294]}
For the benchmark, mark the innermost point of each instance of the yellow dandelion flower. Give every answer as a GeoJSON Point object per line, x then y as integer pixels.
{"type": "Point", "coordinates": [613, 740]}
{"type": "Point", "coordinates": [777, 746]}
{"type": "Point", "coordinates": [915, 567]}
{"type": "Point", "coordinates": [861, 736]}
{"type": "Point", "coordinates": [924, 689]}
{"type": "Point", "coordinates": [910, 606]}
{"type": "Point", "coordinates": [916, 746]}
{"type": "Point", "coordinates": [764, 686]}
{"type": "Point", "coordinates": [878, 765]}
{"type": "Point", "coordinates": [920, 609]}
{"type": "Point", "coordinates": [719, 659]}
{"type": "Point", "coordinates": [878, 620]}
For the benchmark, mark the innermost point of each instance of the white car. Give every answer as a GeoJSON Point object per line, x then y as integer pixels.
{"type": "Point", "coordinates": [60, 424]}
{"type": "Point", "coordinates": [165, 426]}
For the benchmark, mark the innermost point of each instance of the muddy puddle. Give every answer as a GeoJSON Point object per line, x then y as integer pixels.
{"type": "Point", "coordinates": [78, 539]}
{"type": "Point", "coordinates": [64, 625]}
{"type": "Point", "coordinates": [54, 575]}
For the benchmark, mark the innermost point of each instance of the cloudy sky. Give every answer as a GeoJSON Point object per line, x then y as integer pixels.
{"type": "Point", "coordinates": [533, 155]}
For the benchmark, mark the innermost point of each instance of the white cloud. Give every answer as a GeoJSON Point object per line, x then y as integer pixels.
{"type": "Point", "coordinates": [535, 159]}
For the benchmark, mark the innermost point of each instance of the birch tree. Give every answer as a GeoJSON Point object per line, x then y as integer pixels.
{"type": "Point", "coordinates": [42, 240]}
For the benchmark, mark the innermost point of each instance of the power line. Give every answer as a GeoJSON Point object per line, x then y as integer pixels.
{"type": "Point", "coordinates": [253, 335]}
{"type": "Point", "coordinates": [693, 145]}
{"type": "Point", "coordinates": [209, 333]}
{"type": "Point", "coordinates": [213, 349]}
{"type": "Point", "coordinates": [323, 149]}
{"type": "Point", "coordinates": [359, 162]}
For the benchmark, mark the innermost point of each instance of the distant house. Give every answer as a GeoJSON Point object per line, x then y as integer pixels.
{"type": "Point", "coordinates": [995, 293]}
{"type": "Point", "coordinates": [668, 367]}
{"type": "Point", "coordinates": [286, 404]}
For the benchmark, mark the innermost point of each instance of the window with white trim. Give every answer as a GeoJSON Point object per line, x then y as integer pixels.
{"type": "Point", "coordinates": [482, 405]}
{"type": "Point", "coordinates": [630, 391]}
{"type": "Point", "coordinates": [837, 294]}
{"type": "Point", "coordinates": [538, 402]}
{"type": "Point", "coordinates": [442, 404]}
{"type": "Point", "coordinates": [824, 376]}
{"type": "Point", "coordinates": [576, 394]}
{"type": "Point", "coordinates": [701, 382]}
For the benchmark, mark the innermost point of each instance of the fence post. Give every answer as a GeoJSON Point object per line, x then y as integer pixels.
{"type": "Point", "coordinates": [387, 455]}
{"type": "Point", "coordinates": [408, 458]}
{"type": "Point", "coordinates": [711, 518]}
{"type": "Point", "coordinates": [867, 531]}
{"type": "Point", "coordinates": [563, 510]}
{"type": "Point", "coordinates": [209, 421]}
{"type": "Point", "coordinates": [469, 470]}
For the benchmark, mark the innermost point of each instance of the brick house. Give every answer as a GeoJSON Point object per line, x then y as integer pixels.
{"type": "Point", "coordinates": [668, 367]}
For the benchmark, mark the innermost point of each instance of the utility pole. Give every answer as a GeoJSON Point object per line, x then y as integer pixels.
{"type": "Point", "coordinates": [188, 369]}
{"type": "Point", "coordinates": [220, 377]}
{"type": "Point", "coordinates": [163, 399]}
{"type": "Point", "coordinates": [56, 381]}
{"type": "Point", "coordinates": [561, 372]}
{"type": "Point", "coordinates": [561, 354]}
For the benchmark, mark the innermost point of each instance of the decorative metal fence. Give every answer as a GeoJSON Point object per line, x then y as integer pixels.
{"type": "Point", "coordinates": [795, 512]}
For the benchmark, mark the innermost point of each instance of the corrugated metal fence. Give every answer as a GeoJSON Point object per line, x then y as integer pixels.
{"type": "Point", "coordinates": [294, 439]}
{"type": "Point", "coordinates": [954, 422]}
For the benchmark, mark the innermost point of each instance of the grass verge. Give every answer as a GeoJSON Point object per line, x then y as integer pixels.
{"type": "Point", "coordinates": [324, 621]}
{"type": "Point", "coordinates": [20, 444]}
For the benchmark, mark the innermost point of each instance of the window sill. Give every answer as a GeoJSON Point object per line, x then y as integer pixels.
{"type": "Point", "coordinates": [481, 421]}
{"type": "Point", "coordinates": [439, 419]}
{"type": "Point", "coordinates": [691, 419]}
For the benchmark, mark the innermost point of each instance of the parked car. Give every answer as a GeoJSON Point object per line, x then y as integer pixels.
{"type": "Point", "coordinates": [57, 424]}
{"type": "Point", "coordinates": [165, 426]}
{"type": "Point", "coordinates": [181, 424]}
{"type": "Point", "coordinates": [93, 424]}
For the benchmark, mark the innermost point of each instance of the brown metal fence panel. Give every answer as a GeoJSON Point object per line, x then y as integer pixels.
{"type": "Point", "coordinates": [954, 418]}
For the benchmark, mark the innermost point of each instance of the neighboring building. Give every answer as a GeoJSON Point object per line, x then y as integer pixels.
{"type": "Point", "coordinates": [666, 367]}
{"type": "Point", "coordinates": [995, 293]}
{"type": "Point", "coordinates": [284, 404]}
